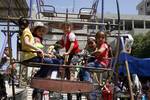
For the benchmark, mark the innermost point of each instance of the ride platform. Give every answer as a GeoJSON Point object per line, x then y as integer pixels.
{"type": "Point", "coordinates": [63, 86]}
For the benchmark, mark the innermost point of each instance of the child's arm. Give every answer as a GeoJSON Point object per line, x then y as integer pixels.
{"type": "Point", "coordinates": [68, 52]}
{"type": "Point", "coordinates": [27, 42]}
{"type": "Point", "coordinates": [70, 49]}
{"type": "Point", "coordinates": [100, 50]}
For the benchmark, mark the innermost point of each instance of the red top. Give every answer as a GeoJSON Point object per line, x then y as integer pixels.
{"type": "Point", "coordinates": [66, 42]}
{"type": "Point", "coordinates": [102, 57]}
{"type": "Point", "coordinates": [107, 95]}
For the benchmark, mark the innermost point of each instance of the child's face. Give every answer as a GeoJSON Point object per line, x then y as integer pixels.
{"type": "Point", "coordinates": [6, 51]}
{"type": "Point", "coordinates": [40, 32]}
{"type": "Point", "coordinates": [67, 28]}
{"type": "Point", "coordinates": [100, 39]}
{"type": "Point", "coordinates": [91, 44]}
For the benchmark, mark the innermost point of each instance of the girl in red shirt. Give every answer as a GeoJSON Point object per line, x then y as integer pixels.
{"type": "Point", "coordinates": [101, 52]}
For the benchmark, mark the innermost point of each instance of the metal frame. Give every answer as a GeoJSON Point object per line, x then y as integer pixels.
{"type": "Point", "coordinates": [49, 12]}
{"type": "Point", "coordinates": [8, 19]}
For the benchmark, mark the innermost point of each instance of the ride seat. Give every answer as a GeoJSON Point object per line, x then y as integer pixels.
{"type": "Point", "coordinates": [86, 13]}
{"type": "Point", "coordinates": [46, 10]}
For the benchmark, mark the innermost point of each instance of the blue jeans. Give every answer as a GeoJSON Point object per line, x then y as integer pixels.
{"type": "Point", "coordinates": [43, 72]}
{"type": "Point", "coordinates": [85, 74]}
{"type": "Point", "coordinates": [94, 64]}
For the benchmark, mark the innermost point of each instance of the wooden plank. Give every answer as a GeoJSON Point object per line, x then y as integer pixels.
{"type": "Point", "coordinates": [64, 86]}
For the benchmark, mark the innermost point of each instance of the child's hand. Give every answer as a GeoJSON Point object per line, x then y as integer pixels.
{"type": "Point", "coordinates": [66, 59]}
{"type": "Point", "coordinates": [65, 54]}
{"type": "Point", "coordinates": [40, 53]}
{"type": "Point", "coordinates": [95, 53]}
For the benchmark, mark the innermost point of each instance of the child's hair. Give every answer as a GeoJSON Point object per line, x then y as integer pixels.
{"type": "Point", "coordinates": [23, 23]}
{"type": "Point", "coordinates": [90, 39]}
{"type": "Point", "coordinates": [100, 34]}
{"type": "Point", "coordinates": [66, 24]}
{"type": "Point", "coordinates": [39, 28]}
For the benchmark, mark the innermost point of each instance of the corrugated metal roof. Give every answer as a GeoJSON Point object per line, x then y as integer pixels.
{"type": "Point", "coordinates": [17, 8]}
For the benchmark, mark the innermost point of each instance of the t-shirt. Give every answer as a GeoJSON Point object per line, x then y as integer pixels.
{"type": "Point", "coordinates": [38, 43]}
{"type": "Point", "coordinates": [102, 58]}
{"type": "Point", "coordinates": [27, 55]}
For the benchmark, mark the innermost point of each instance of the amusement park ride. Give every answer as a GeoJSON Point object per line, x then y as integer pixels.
{"type": "Point", "coordinates": [49, 15]}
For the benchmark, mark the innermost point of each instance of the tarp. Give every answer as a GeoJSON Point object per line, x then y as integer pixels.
{"type": "Point", "coordinates": [3, 47]}
{"type": "Point", "coordinates": [138, 66]}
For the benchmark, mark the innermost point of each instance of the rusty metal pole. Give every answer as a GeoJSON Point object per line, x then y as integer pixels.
{"type": "Point", "coordinates": [10, 51]}
{"type": "Point", "coordinates": [129, 80]}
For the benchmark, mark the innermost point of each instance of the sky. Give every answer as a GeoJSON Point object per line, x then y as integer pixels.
{"type": "Point", "coordinates": [126, 7]}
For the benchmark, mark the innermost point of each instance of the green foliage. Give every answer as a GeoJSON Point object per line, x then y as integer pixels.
{"type": "Point", "coordinates": [141, 46]}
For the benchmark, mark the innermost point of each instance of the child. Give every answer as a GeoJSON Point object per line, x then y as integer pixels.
{"type": "Point", "coordinates": [107, 91]}
{"type": "Point", "coordinates": [31, 53]}
{"type": "Point", "coordinates": [38, 31]}
{"type": "Point", "coordinates": [91, 45]}
{"type": "Point", "coordinates": [70, 43]}
{"type": "Point", "coordinates": [102, 51]}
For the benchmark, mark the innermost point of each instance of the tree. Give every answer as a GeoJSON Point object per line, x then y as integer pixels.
{"type": "Point", "coordinates": [141, 46]}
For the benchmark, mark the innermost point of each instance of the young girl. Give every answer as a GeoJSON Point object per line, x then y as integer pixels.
{"type": "Point", "coordinates": [101, 52]}
{"type": "Point", "coordinates": [38, 31]}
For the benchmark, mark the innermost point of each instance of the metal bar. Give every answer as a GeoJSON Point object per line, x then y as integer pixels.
{"type": "Point", "coordinates": [58, 21]}
{"type": "Point", "coordinates": [11, 31]}
{"type": "Point", "coordinates": [10, 48]}
{"type": "Point", "coordinates": [31, 5]}
{"type": "Point", "coordinates": [129, 80]}
{"type": "Point", "coordinates": [10, 51]}
{"type": "Point", "coordinates": [126, 62]}
{"type": "Point", "coordinates": [115, 67]}
{"type": "Point", "coordinates": [9, 25]}
{"type": "Point", "coordinates": [34, 64]}
{"type": "Point", "coordinates": [102, 15]}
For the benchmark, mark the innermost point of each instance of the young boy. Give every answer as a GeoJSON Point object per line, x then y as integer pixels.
{"type": "Point", "coordinates": [70, 43]}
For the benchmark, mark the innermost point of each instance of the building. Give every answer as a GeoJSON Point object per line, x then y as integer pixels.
{"type": "Point", "coordinates": [133, 24]}
{"type": "Point", "coordinates": [144, 7]}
